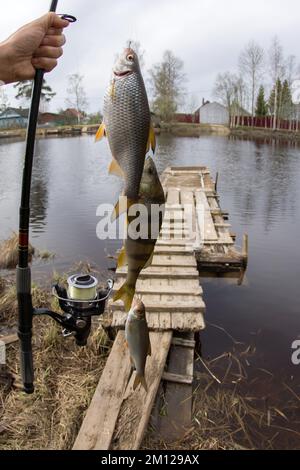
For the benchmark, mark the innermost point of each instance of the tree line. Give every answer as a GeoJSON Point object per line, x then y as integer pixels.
{"type": "Point", "coordinates": [76, 98]}
{"type": "Point", "coordinates": [262, 84]}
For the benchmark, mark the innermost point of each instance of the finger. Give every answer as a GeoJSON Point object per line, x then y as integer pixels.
{"type": "Point", "coordinates": [54, 32]}
{"type": "Point", "coordinates": [49, 52]}
{"type": "Point", "coordinates": [44, 63]}
{"type": "Point", "coordinates": [54, 41]}
{"type": "Point", "coordinates": [53, 20]}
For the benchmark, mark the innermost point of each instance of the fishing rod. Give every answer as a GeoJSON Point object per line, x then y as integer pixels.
{"type": "Point", "coordinates": [82, 300]}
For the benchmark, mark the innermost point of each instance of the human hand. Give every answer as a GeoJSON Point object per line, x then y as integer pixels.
{"type": "Point", "coordinates": [36, 45]}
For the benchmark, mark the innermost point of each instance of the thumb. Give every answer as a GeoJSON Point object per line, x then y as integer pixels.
{"type": "Point", "coordinates": [52, 20]}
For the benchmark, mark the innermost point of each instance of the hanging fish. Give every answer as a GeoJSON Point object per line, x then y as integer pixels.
{"type": "Point", "coordinates": [138, 340]}
{"type": "Point", "coordinates": [127, 124]}
{"type": "Point", "coordinates": [137, 253]}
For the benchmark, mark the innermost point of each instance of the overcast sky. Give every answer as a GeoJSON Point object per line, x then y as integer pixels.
{"type": "Point", "coordinates": [206, 34]}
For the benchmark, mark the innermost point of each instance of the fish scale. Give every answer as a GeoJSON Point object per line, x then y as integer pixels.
{"type": "Point", "coordinates": [127, 121]}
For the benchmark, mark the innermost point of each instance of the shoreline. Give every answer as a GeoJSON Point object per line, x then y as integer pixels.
{"type": "Point", "coordinates": [174, 129]}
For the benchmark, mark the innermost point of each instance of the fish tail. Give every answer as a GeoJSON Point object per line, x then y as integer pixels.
{"type": "Point", "coordinates": [140, 379]}
{"type": "Point", "coordinates": [125, 293]}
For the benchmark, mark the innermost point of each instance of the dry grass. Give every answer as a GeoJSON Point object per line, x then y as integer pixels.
{"type": "Point", "coordinates": [65, 380]}
{"type": "Point", "coordinates": [9, 252]}
{"type": "Point", "coordinates": [45, 255]}
{"type": "Point", "coordinates": [231, 414]}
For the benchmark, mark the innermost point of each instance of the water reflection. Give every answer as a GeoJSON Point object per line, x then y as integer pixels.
{"type": "Point", "coordinates": [39, 191]}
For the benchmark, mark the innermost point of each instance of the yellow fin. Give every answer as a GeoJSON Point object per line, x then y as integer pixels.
{"type": "Point", "coordinates": [126, 294]}
{"type": "Point", "coordinates": [140, 379]}
{"type": "Point", "coordinates": [122, 258]}
{"type": "Point", "coordinates": [120, 209]}
{"type": "Point", "coordinates": [151, 140]}
{"type": "Point", "coordinates": [115, 169]}
{"type": "Point", "coordinates": [149, 262]}
{"type": "Point", "coordinates": [101, 132]}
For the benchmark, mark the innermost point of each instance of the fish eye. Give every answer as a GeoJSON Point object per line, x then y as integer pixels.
{"type": "Point", "coordinates": [130, 57]}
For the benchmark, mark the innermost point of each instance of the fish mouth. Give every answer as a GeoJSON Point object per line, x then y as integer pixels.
{"type": "Point", "coordinates": [122, 74]}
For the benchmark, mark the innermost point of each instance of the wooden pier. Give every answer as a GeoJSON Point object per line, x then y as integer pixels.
{"type": "Point", "coordinates": [194, 234]}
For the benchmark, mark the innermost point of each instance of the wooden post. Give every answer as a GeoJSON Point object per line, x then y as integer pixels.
{"type": "Point", "coordinates": [216, 181]}
{"type": "Point", "coordinates": [245, 249]}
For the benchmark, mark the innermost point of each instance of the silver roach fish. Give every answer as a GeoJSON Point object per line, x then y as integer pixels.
{"type": "Point", "coordinates": [137, 251]}
{"type": "Point", "coordinates": [127, 124]}
{"type": "Point", "coordinates": [138, 340]}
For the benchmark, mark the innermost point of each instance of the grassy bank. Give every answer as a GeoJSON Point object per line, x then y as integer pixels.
{"type": "Point", "coordinates": [259, 133]}
{"type": "Point", "coordinates": [66, 377]}
{"type": "Point", "coordinates": [193, 130]}
{"type": "Point", "coordinates": [48, 131]}
{"type": "Point", "coordinates": [175, 128]}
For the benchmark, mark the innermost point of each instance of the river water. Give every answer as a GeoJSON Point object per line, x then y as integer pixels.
{"type": "Point", "coordinates": [258, 186]}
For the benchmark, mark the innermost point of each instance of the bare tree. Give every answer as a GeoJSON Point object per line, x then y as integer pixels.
{"type": "Point", "coordinates": [240, 97]}
{"type": "Point", "coordinates": [291, 69]}
{"type": "Point", "coordinates": [166, 79]}
{"type": "Point", "coordinates": [77, 97]}
{"type": "Point", "coordinates": [231, 90]}
{"type": "Point", "coordinates": [191, 103]}
{"type": "Point", "coordinates": [225, 90]}
{"type": "Point", "coordinates": [251, 62]}
{"type": "Point", "coordinates": [277, 69]}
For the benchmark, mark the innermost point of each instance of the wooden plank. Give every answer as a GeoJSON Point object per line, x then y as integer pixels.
{"type": "Point", "coordinates": [168, 285]}
{"type": "Point", "coordinates": [165, 303]}
{"type": "Point", "coordinates": [186, 242]}
{"type": "Point", "coordinates": [219, 242]}
{"type": "Point", "coordinates": [164, 270]}
{"type": "Point", "coordinates": [222, 225]}
{"type": "Point", "coordinates": [178, 396]}
{"type": "Point", "coordinates": [174, 207]}
{"type": "Point", "coordinates": [99, 423]}
{"type": "Point", "coordinates": [162, 274]}
{"type": "Point", "coordinates": [177, 379]}
{"type": "Point", "coordinates": [175, 233]}
{"type": "Point", "coordinates": [178, 225]}
{"type": "Point", "coordinates": [176, 250]}
{"type": "Point", "coordinates": [183, 342]}
{"type": "Point", "coordinates": [205, 220]}
{"type": "Point", "coordinates": [173, 260]}
{"type": "Point", "coordinates": [183, 289]}
{"type": "Point", "coordinates": [9, 339]}
{"type": "Point", "coordinates": [180, 321]}
{"type": "Point", "coordinates": [173, 197]}
{"type": "Point", "coordinates": [137, 405]}
{"type": "Point", "coordinates": [189, 169]}
{"type": "Point", "coordinates": [164, 321]}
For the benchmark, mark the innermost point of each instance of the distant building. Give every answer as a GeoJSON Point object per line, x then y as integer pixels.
{"type": "Point", "coordinates": [213, 113]}
{"type": "Point", "coordinates": [72, 114]}
{"type": "Point", "coordinates": [188, 118]}
{"type": "Point", "coordinates": [50, 119]}
{"type": "Point", "coordinates": [13, 118]}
